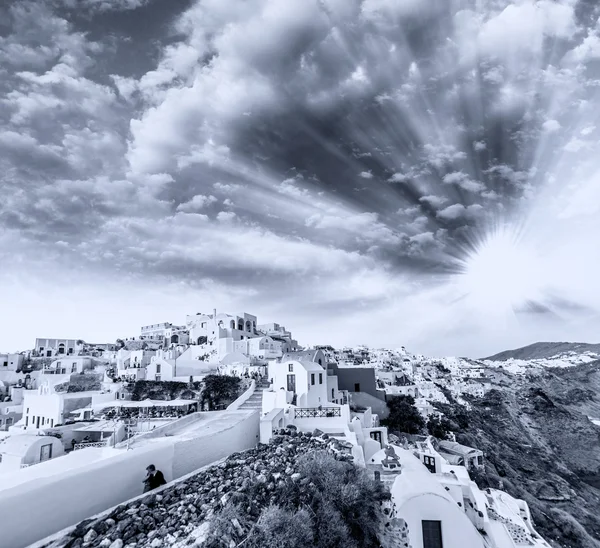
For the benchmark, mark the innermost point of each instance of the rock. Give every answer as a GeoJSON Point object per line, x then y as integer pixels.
{"type": "Point", "coordinates": [117, 544]}
{"type": "Point", "coordinates": [90, 536]}
{"type": "Point", "coordinates": [105, 543]}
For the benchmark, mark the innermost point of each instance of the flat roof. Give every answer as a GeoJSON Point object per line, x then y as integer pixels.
{"type": "Point", "coordinates": [100, 426]}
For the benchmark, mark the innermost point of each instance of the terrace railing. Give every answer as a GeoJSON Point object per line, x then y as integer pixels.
{"type": "Point", "coordinates": [315, 412]}
{"type": "Point", "coordinates": [90, 444]}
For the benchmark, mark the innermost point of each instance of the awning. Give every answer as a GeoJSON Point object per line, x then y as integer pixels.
{"type": "Point", "coordinates": [145, 404]}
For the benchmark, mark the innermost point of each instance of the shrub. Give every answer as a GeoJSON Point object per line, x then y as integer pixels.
{"type": "Point", "coordinates": [220, 390]}
{"type": "Point", "coordinates": [439, 428]}
{"type": "Point", "coordinates": [164, 390]}
{"type": "Point", "coordinates": [404, 416]}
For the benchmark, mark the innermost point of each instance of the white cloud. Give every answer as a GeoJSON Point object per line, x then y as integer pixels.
{"type": "Point", "coordinates": [435, 201]}
{"type": "Point", "coordinates": [457, 211]}
{"type": "Point", "coordinates": [197, 203]}
{"type": "Point", "coordinates": [226, 216]}
{"type": "Point", "coordinates": [398, 178]}
{"type": "Point", "coordinates": [576, 145]}
{"type": "Point", "coordinates": [551, 126]}
{"type": "Point", "coordinates": [365, 175]}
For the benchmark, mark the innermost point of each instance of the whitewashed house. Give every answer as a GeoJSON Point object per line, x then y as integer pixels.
{"type": "Point", "coordinates": [11, 362]}
{"type": "Point", "coordinates": [58, 347]}
{"type": "Point", "coordinates": [26, 450]}
{"type": "Point", "coordinates": [46, 408]}
{"type": "Point", "coordinates": [68, 365]}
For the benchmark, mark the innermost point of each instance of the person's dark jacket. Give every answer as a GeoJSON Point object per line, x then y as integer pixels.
{"type": "Point", "coordinates": [154, 481]}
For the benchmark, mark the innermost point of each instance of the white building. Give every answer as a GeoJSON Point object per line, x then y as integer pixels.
{"type": "Point", "coordinates": [208, 328]}
{"type": "Point", "coordinates": [24, 450]}
{"type": "Point", "coordinates": [155, 331]}
{"type": "Point", "coordinates": [68, 365]}
{"type": "Point", "coordinates": [10, 362]}
{"type": "Point", "coordinates": [45, 408]}
{"type": "Point", "coordinates": [58, 347]}
{"type": "Point", "coordinates": [304, 382]}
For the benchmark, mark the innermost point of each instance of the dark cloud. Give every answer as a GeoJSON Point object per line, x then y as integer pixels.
{"type": "Point", "coordinates": [275, 145]}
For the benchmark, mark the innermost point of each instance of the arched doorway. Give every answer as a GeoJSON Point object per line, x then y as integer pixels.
{"type": "Point", "coordinates": [175, 339]}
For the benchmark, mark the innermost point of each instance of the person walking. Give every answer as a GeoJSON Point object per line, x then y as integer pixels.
{"type": "Point", "coordinates": [154, 478]}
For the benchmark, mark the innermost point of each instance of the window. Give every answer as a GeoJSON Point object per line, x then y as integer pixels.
{"type": "Point", "coordinates": [57, 364]}
{"type": "Point", "coordinates": [332, 393]}
{"type": "Point", "coordinates": [5, 364]}
{"type": "Point", "coordinates": [320, 378]}
{"type": "Point", "coordinates": [157, 378]}
{"type": "Point", "coordinates": [312, 378]}
{"type": "Point", "coordinates": [291, 367]}
{"type": "Point", "coordinates": [432, 534]}
{"type": "Point", "coordinates": [158, 368]}
{"type": "Point", "coordinates": [357, 387]}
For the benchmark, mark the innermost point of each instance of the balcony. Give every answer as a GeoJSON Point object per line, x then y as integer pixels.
{"type": "Point", "coordinates": [315, 412]}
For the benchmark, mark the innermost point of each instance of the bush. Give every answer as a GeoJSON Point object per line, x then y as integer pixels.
{"type": "Point", "coordinates": [439, 428]}
{"type": "Point", "coordinates": [404, 416]}
{"type": "Point", "coordinates": [164, 390]}
{"type": "Point", "coordinates": [220, 390]}
{"type": "Point", "coordinates": [335, 504]}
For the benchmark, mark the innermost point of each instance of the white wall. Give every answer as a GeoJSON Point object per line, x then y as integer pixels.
{"type": "Point", "coordinates": [457, 529]}
{"type": "Point", "coordinates": [65, 499]}
{"type": "Point", "coordinates": [56, 502]}
{"type": "Point", "coordinates": [193, 453]}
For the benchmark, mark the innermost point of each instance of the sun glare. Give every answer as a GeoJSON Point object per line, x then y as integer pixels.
{"type": "Point", "coordinates": [502, 273]}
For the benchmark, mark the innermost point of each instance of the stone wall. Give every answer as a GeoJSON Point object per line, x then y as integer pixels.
{"type": "Point", "coordinates": [178, 515]}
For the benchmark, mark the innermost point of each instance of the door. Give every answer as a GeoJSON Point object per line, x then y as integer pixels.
{"type": "Point", "coordinates": [429, 462]}
{"type": "Point", "coordinates": [357, 387]}
{"type": "Point", "coordinates": [45, 452]}
{"type": "Point", "coordinates": [432, 534]}
{"type": "Point", "coordinates": [291, 383]}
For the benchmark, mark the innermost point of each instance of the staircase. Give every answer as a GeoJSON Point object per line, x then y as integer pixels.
{"type": "Point", "coordinates": [255, 401]}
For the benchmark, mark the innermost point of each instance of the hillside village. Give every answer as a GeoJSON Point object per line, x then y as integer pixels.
{"type": "Point", "coordinates": [80, 422]}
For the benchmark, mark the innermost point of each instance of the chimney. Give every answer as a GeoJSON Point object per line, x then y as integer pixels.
{"type": "Point", "coordinates": [214, 313]}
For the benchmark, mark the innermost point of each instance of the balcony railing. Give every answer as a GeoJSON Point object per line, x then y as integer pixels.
{"type": "Point", "coordinates": [315, 412]}
{"type": "Point", "coordinates": [89, 444]}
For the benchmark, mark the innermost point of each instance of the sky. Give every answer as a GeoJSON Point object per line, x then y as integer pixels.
{"type": "Point", "coordinates": [419, 173]}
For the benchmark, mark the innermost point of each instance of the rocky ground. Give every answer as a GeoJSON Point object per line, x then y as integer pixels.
{"type": "Point", "coordinates": [180, 515]}
{"type": "Point", "coordinates": [541, 447]}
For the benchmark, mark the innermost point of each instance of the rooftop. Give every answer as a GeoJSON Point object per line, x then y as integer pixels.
{"type": "Point", "coordinates": [18, 445]}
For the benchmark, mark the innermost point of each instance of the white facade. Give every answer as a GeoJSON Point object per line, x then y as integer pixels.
{"type": "Point", "coordinates": [45, 408]}
{"type": "Point", "coordinates": [58, 347]}
{"type": "Point", "coordinates": [155, 331]}
{"type": "Point", "coordinates": [25, 450]}
{"type": "Point", "coordinates": [303, 379]}
{"type": "Point", "coordinates": [68, 365]}
{"type": "Point", "coordinates": [208, 328]}
{"type": "Point", "coordinates": [10, 362]}
{"type": "Point", "coordinates": [428, 509]}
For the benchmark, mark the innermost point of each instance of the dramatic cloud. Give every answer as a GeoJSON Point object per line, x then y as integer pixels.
{"type": "Point", "coordinates": [306, 158]}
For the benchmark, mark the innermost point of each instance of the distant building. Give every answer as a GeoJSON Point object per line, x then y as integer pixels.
{"type": "Point", "coordinates": [68, 365]}
{"type": "Point", "coordinates": [11, 362]}
{"type": "Point", "coordinates": [56, 347]}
